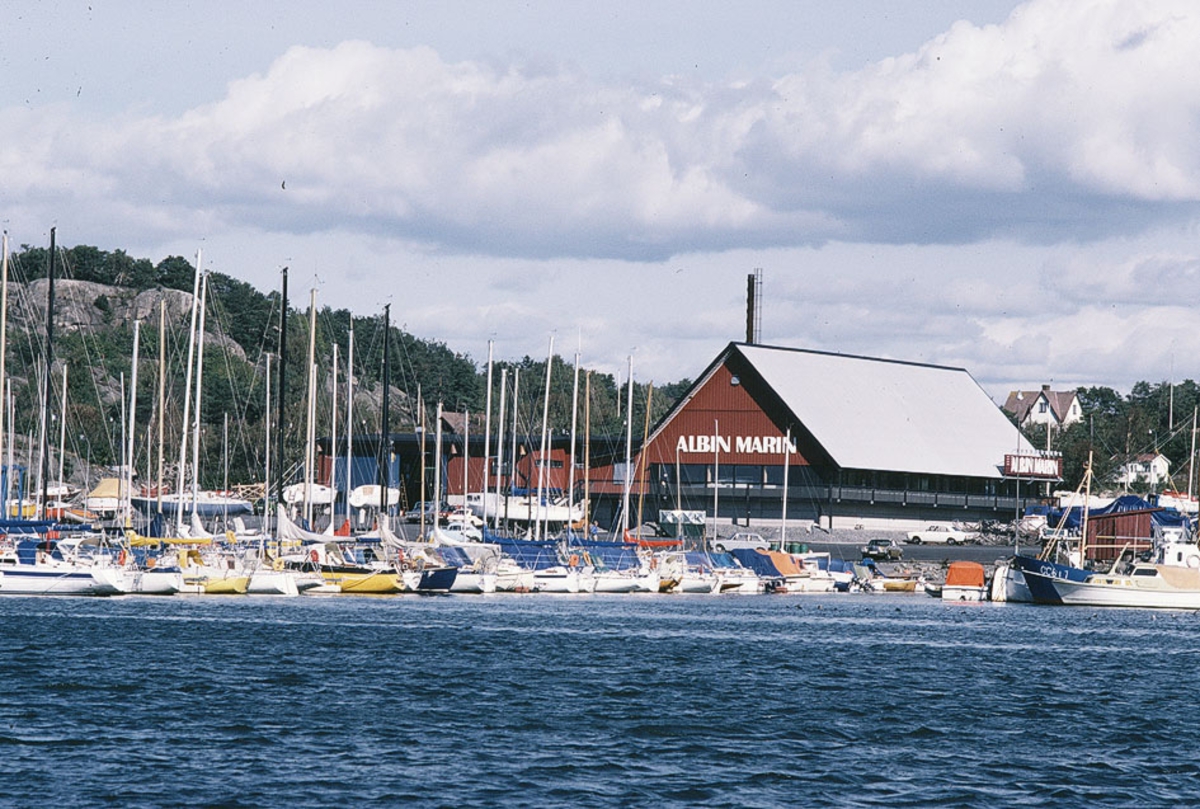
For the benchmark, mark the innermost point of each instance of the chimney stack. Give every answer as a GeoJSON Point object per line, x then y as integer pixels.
{"type": "Point", "coordinates": [754, 307]}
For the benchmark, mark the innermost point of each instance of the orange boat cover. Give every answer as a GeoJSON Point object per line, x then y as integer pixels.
{"type": "Point", "coordinates": [784, 563]}
{"type": "Point", "coordinates": [965, 574]}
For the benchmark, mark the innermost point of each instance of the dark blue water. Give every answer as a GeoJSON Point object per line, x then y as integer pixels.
{"type": "Point", "coordinates": [595, 702]}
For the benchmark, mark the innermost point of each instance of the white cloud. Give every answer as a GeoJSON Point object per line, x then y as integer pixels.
{"type": "Point", "coordinates": [1004, 196]}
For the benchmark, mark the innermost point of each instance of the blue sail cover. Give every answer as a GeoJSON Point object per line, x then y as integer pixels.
{"type": "Point", "coordinates": [528, 553]}
{"type": "Point", "coordinates": [840, 566]}
{"type": "Point", "coordinates": [760, 563]}
{"type": "Point", "coordinates": [723, 560]}
{"type": "Point", "coordinates": [1163, 518]}
{"type": "Point", "coordinates": [609, 555]}
{"type": "Point", "coordinates": [454, 556]}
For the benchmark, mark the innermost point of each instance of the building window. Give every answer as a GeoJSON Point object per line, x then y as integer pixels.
{"type": "Point", "coordinates": [1043, 407]}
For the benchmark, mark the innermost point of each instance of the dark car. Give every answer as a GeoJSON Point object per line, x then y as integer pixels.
{"type": "Point", "coordinates": [885, 550]}
{"type": "Point", "coordinates": [429, 510]}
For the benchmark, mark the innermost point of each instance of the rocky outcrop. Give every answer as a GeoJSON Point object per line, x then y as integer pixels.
{"type": "Point", "coordinates": [88, 306]}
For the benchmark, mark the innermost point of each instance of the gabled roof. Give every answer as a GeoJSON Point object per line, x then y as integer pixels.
{"type": "Point", "coordinates": [1020, 402]}
{"type": "Point", "coordinates": [888, 415]}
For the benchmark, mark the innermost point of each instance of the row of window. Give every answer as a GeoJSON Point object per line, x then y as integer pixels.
{"type": "Point", "coordinates": [767, 475]}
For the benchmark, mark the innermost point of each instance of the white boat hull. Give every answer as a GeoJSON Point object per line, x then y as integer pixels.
{"type": "Point", "coordinates": [1171, 588]}
{"type": "Point", "coordinates": [53, 580]}
{"type": "Point", "coordinates": [273, 583]}
{"type": "Point", "coordinates": [963, 593]}
{"type": "Point", "coordinates": [1008, 584]}
{"type": "Point", "coordinates": [468, 581]}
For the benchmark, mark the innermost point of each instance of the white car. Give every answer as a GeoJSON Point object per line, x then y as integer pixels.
{"type": "Point", "coordinates": [740, 540]}
{"type": "Point", "coordinates": [940, 535]}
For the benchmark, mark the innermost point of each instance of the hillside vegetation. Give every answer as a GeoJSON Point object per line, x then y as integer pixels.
{"type": "Point", "coordinates": [99, 295]}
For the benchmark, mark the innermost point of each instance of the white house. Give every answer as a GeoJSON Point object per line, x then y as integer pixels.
{"type": "Point", "coordinates": [1151, 469]}
{"type": "Point", "coordinates": [1059, 408]}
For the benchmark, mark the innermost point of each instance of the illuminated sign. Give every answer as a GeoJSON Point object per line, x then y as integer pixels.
{"type": "Point", "coordinates": [1033, 466]}
{"type": "Point", "coordinates": [748, 444]}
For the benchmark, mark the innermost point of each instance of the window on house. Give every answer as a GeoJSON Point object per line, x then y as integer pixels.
{"type": "Point", "coordinates": [1043, 407]}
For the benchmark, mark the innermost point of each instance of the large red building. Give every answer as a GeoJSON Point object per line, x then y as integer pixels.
{"type": "Point", "coordinates": [865, 441]}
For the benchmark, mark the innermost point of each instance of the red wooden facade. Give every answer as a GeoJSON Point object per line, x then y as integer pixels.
{"type": "Point", "coordinates": [722, 420]}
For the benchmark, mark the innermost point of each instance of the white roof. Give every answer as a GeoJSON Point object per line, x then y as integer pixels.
{"type": "Point", "coordinates": [889, 415]}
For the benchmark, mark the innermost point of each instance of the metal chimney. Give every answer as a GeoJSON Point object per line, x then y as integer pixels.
{"type": "Point", "coordinates": [754, 307]}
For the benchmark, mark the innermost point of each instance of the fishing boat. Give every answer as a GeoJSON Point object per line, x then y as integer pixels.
{"type": "Point", "coordinates": [1171, 580]}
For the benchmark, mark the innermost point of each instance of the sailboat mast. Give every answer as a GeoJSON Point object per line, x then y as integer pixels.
{"type": "Point", "coordinates": [281, 392]}
{"type": "Point", "coordinates": [437, 467]}
{"type": "Point", "coordinates": [424, 471]}
{"type": "Point", "coordinates": [466, 455]}
{"type": "Point", "coordinates": [512, 474]}
{"type": "Point", "coordinates": [49, 367]}
{"type": "Point", "coordinates": [716, 473]}
{"type": "Point", "coordinates": [587, 450]}
{"type": "Point", "coordinates": [541, 460]}
{"type": "Point", "coordinates": [7, 477]}
{"type": "Point", "coordinates": [187, 395]}
{"type": "Point", "coordinates": [571, 459]}
{"type": "Point", "coordinates": [162, 396]}
{"type": "Point", "coordinates": [333, 441]}
{"type": "Point", "coordinates": [267, 447]}
{"type": "Point", "coordinates": [310, 421]}
{"type": "Point", "coordinates": [199, 388]}
{"type": "Point", "coordinates": [133, 379]}
{"type": "Point", "coordinates": [641, 466]}
{"type": "Point", "coordinates": [628, 455]}
{"type": "Point", "coordinates": [487, 433]}
{"type": "Point", "coordinates": [349, 414]}
{"type": "Point", "coordinates": [787, 463]}
{"type": "Point", "coordinates": [384, 472]}
{"type": "Point", "coordinates": [62, 431]}
{"type": "Point", "coordinates": [499, 452]}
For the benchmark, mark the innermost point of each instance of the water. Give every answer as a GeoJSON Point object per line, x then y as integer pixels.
{"type": "Point", "coordinates": [594, 702]}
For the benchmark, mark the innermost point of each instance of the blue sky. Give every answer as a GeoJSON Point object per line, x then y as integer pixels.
{"type": "Point", "coordinates": [1009, 188]}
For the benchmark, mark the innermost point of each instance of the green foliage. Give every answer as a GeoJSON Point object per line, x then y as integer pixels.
{"type": "Point", "coordinates": [1154, 417]}
{"type": "Point", "coordinates": [100, 370]}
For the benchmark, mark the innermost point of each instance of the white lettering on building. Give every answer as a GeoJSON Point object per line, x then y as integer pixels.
{"type": "Point", "coordinates": [745, 444]}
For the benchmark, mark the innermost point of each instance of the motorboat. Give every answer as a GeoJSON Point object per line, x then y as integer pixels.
{"type": "Point", "coordinates": [965, 581]}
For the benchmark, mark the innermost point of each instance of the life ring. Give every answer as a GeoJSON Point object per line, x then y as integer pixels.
{"type": "Point", "coordinates": [314, 556]}
{"type": "Point", "coordinates": [277, 564]}
{"type": "Point", "coordinates": [573, 561]}
{"type": "Point", "coordinates": [1193, 561]}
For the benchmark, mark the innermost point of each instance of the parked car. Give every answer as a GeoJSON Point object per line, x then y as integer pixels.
{"type": "Point", "coordinates": [941, 535]}
{"type": "Point", "coordinates": [886, 550]}
{"type": "Point", "coordinates": [742, 539]}
{"type": "Point", "coordinates": [429, 509]}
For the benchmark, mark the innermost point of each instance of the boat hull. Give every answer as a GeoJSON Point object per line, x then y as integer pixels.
{"type": "Point", "coordinates": [1040, 576]}
{"type": "Point", "coordinates": [52, 580]}
{"type": "Point", "coordinates": [373, 582]}
{"type": "Point", "coordinates": [1167, 588]}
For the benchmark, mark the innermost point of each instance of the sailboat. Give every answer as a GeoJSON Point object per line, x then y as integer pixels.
{"type": "Point", "coordinates": [33, 563]}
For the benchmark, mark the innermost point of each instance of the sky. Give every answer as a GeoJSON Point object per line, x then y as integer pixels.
{"type": "Point", "coordinates": [1005, 187]}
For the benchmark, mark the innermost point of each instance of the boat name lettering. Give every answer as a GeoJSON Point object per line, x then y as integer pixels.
{"type": "Point", "coordinates": [1051, 572]}
{"type": "Point", "coordinates": [749, 444]}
